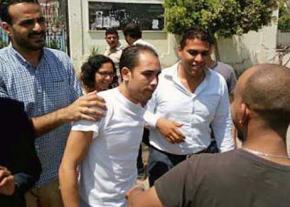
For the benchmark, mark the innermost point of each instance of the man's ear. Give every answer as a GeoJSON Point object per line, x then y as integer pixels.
{"type": "Point", "coordinates": [245, 114]}
{"type": "Point", "coordinates": [126, 74]}
{"type": "Point", "coordinates": [6, 27]}
{"type": "Point", "coordinates": [178, 51]}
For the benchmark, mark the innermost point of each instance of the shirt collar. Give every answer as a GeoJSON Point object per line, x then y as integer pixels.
{"type": "Point", "coordinates": [171, 74]}
{"type": "Point", "coordinates": [15, 53]}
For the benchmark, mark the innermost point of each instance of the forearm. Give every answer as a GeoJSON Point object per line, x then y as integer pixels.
{"type": "Point", "coordinates": [140, 198]}
{"type": "Point", "coordinates": [44, 124]}
{"type": "Point", "coordinates": [69, 187]}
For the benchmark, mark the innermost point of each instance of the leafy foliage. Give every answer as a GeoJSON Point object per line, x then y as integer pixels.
{"type": "Point", "coordinates": [222, 17]}
{"type": "Point", "coordinates": [3, 44]}
{"type": "Point", "coordinates": [284, 18]}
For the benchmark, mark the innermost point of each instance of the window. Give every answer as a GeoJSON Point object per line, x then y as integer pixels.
{"type": "Point", "coordinates": [103, 15]}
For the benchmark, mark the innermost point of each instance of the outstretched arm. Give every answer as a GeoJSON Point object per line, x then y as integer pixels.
{"type": "Point", "coordinates": [88, 107]}
{"type": "Point", "coordinates": [137, 197]}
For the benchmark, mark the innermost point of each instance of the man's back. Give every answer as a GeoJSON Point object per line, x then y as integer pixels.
{"type": "Point", "coordinates": [235, 178]}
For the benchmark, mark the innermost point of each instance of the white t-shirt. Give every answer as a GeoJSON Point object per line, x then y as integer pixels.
{"type": "Point", "coordinates": [109, 169]}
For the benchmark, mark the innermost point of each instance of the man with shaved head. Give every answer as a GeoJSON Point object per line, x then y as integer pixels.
{"type": "Point", "coordinates": [255, 175]}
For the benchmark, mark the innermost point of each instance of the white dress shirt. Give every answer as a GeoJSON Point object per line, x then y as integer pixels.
{"type": "Point", "coordinates": [200, 111]}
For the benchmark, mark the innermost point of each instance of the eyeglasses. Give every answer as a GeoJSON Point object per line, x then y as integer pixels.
{"type": "Point", "coordinates": [106, 73]}
{"type": "Point", "coordinates": [196, 52]}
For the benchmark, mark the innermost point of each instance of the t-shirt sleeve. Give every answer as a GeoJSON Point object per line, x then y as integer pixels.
{"type": "Point", "coordinates": [87, 126]}
{"type": "Point", "coordinates": [177, 187]}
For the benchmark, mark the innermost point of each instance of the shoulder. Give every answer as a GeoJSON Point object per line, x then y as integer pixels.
{"type": "Point", "coordinates": [216, 78]}
{"type": "Point", "coordinates": [226, 68]}
{"type": "Point", "coordinates": [4, 54]}
{"type": "Point", "coordinates": [54, 54]}
{"type": "Point", "coordinates": [169, 71]}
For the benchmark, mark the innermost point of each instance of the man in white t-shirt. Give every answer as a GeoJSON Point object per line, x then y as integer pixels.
{"type": "Point", "coordinates": [106, 151]}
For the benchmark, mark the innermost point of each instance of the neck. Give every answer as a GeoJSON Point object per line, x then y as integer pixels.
{"type": "Point", "coordinates": [189, 81]}
{"type": "Point", "coordinates": [32, 56]}
{"type": "Point", "coordinates": [125, 92]}
{"type": "Point", "coordinates": [267, 142]}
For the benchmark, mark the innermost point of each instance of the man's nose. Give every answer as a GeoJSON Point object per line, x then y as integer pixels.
{"type": "Point", "coordinates": [38, 27]}
{"type": "Point", "coordinates": [154, 81]}
{"type": "Point", "coordinates": [199, 58]}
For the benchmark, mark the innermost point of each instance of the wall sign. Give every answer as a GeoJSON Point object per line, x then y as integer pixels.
{"type": "Point", "coordinates": [103, 15]}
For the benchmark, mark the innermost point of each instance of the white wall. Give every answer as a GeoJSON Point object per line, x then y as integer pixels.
{"type": "Point", "coordinates": [283, 38]}
{"type": "Point", "coordinates": [240, 51]}
{"type": "Point", "coordinates": [251, 48]}
{"type": "Point", "coordinates": [82, 40]}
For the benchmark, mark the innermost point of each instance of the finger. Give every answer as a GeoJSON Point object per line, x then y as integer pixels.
{"type": "Point", "coordinates": [177, 138]}
{"type": "Point", "coordinates": [6, 180]}
{"type": "Point", "coordinates": [178, 134]}
{"type": "Point", "coordinates": [95, 103]}
{"type": "Point", "coordinates": [93, 112]}
{"type": "Point", "coordinates": [87, 117]}
{"type": "Point", "coordinates": [168, 138]}
{"type": "Point", "coordinates": [177, 124]}
{"type": "Point", "coordinates": [4, 173]}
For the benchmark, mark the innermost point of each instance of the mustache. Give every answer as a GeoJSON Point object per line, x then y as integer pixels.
{"type": "Point", "coordinates": [36, 33]}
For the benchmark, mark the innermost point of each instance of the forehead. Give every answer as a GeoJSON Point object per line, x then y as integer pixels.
{"type": "Point", "coordinates": [196, 44]}
{"type": "Point", "coordinates": [147, 61]}
{"type": "Point", "coordinates": [106, 67]}
{"type": "Point", "coordinates": [24, 10]}
{"type": "Point", "coordinates": [111, 35]}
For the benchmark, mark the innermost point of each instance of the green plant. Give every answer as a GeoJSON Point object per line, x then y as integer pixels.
{"type": "Point", "coordinates": [53, 44]}
{"type": "Point", "coordinates": [222, 17]}
{"type": "Point", "coordinates": [3, 44]}
{"type": "Point", "coordinates": [284, 18]}
{"type": "Point", "coordinates": [94, 51]}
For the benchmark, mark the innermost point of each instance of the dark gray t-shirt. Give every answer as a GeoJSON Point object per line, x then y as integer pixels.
{"type": "Point", "coordinates": [231, 179]}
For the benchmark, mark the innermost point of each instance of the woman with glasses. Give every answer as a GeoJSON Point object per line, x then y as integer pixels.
{"type": "Point", "coordinates": [98, 73]}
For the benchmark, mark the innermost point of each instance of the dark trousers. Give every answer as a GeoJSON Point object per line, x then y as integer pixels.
{"type": "Point", "coordinates": [145, 140]}
{"type": "Point", "coordinates": [161, 162]}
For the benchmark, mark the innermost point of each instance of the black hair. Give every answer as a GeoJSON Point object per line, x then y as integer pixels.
{"type": "Point", "coordinates": [4, 7]}
{"type": "Point", "coordinates": [196, 33]}
{"type": "Point", "coordinates": [133, 30]}
{"type": "Point", "coordinates": [130, 56]}
{"type": "Point", "coordinates": [90, 67]}
{"type": "Point", "coordinates": [112, 31]}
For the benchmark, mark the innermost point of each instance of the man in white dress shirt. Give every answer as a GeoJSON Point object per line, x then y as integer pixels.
{"type": "Point", "coordinates": [189, 102]}
{"type": "Point", "coordinates": [106, 151]}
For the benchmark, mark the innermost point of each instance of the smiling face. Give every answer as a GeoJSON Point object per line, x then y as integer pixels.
{"type": "Point", "coordinates": [193, 57]}
{"type": "Point", "coordinates": [27, 29]}
{"type": "Point", "coordinates": [104, 76]}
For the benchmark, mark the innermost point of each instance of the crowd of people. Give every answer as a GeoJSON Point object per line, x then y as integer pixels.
{"type": "Point", "coordinates": [76, 141]}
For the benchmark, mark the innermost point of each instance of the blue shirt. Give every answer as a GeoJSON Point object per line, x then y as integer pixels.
{"type": "Point", "coordinates": [49, 86]}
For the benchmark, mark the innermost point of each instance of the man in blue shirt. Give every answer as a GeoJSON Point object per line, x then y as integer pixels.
{"type": "Point", "coordinates": [44, 80]}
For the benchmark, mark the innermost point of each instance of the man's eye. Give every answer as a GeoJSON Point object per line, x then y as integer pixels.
{"type": "Point", "coordinates": [27, 22]}
{"type": "Point", "coordinates": [193, 52]}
